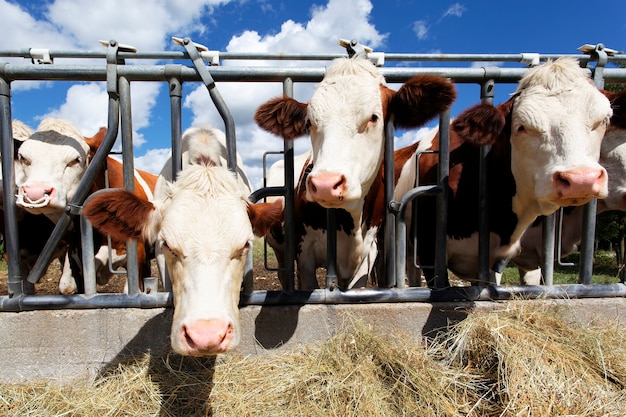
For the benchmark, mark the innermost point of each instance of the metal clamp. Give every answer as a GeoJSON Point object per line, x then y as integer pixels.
{"type": "Point", "coordinates": [212, 57]}
{"type": "Point", "coordinates": [530, 58]}
{"type": "Point", "coordinates": [40, 56]}
{"type": "Point", "coordinates": [601, 54]}
{"type": "Point", "coordinates": [354, 48]}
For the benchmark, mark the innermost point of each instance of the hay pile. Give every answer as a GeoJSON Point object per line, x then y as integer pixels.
{"type": "Point", "coordinates": [520, 361]}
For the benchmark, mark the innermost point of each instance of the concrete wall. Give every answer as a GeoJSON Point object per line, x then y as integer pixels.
{"type": "Point", "coordinates": [66, 344]}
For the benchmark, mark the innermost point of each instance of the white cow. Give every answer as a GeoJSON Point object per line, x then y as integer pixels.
{"type": "Point", "coordinates": [613, 159]}
{"type": "Point", "coordinates": [200, 145]}
{"type": "Point", "coordinates": [48, 169]}
{"type": "Point", "coordinates": [206, 226]}
{"type": "Point", "coordinates": [545, 146]}
{"type": "Point", "coordinates": [345, 120]}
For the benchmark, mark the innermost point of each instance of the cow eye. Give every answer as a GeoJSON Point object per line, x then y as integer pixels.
{"type": "Point", "coordinates": [521, 128]}
{"type": "Point", "coordinates": [168, 250]}
{"type": "Point", "coordinates": [374, 118]}
{"type": "Point", "coordinates": [246, 248]}
{"type": "Point", "coordinates": [601, 123]}
{"type": "Point", "coordinates": [74, 162]}
{"type": "Point", "coordinates": [23, 160]}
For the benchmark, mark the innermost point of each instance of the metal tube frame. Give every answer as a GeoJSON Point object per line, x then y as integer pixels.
{"type": "Point", "coordinates": [118, 79]}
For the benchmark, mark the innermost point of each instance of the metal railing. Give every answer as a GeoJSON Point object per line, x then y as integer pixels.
{"type": "Point", "coordinates": [119, 75]}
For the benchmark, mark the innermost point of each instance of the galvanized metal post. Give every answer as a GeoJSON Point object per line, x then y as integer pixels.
{"type": "Point", "coordinates": [389, 246]}
{"type": "Point", "coordinates": [547, 264]}
{"type": "Point", "coordinates": [96, 164]}
{"type": "Point", "coordinates": [289, 207]}
{"type": "Point", "coordinates": [132, 268]}
{"type": "Point", "coordinates": [11, 234]}
{"type": "Point", "coordinates": [590, 209]}
{"type": "Point", "coordinates": [173, 75]}
{"type": "Point", "coordinates": [487, 93]}
{"type": "Point", "coordinates": [441, 230]}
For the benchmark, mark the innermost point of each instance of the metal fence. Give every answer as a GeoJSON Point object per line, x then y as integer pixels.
{"type": "Point", "coordinates": [177, 70]}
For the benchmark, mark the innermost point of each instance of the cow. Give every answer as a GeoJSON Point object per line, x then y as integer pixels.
{"type": "Point", "coordinates": [205, 252]}
{"type": "Point", "coordinates": [345, 119]}
{"type": "Point", "coordinates": [200, 145]}
{"type": "Point", "coordinates": [613, 159]}
{"type": "Point", "coordinates": [545, 145]}
{"type": "Point", "coordinates": [49, 165]}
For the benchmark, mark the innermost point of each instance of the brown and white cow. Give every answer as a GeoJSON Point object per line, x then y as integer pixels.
{"type": "Point", "coordinates": [200, 145]}
{"type": "Point", "coordinates": [613, 159]}
{"type": "Point", "coordinates": [205, 252]}
{"type": "Point", "coordinates": [545, 145]}
{"type": "Point", "coordinates": [49, 165]}
{"type": "Point", "coordinates": [345, 120]}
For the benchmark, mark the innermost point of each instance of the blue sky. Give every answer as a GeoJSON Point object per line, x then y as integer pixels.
{"type": "Point", "coordinates": [393, 26]}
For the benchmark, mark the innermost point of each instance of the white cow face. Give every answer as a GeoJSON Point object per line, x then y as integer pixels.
{"type": "Point", "coordinates": [48, 169]}
{"type": "Point", "coordinates": [346, 126]}
{"type": "Point", "coordinates": [557, 125]}
{"type": "Point", "coordinates": [613, 158]}
{"type": "Point", "coordinates": [205, 236]}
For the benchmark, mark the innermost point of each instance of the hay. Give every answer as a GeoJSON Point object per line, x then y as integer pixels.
{"type": "Point", "coordinates": [519, 361]}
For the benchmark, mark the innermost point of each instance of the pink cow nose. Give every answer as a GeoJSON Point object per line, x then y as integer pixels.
{"type": "Point", "coordinates": [36, 193]}
{"type": "Point", "coordinates": [327, 187]}
{"type": "Point", "coordinates": [208, 337]}
{"type": "Point", "coordinates": [580, 183]}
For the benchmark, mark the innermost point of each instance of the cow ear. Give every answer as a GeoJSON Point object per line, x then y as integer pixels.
{"type": "Point", "coordinates": [95, 141]}
{"type": "Point", "coordinates": [282, 116]}
{"type": "Point", "coordinates": [480, 125]}
{"type": "Point", "coordinates": [420, 99]}
{"type": "Point", "coordinates": [618, 104]}
{"type": "Point", "coordinates": [119, 214]}
{"type": "Point", "coordinates": [264, 216]}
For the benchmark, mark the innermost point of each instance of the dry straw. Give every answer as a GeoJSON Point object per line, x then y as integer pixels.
{"type": "Point", "coordinates": [523, 360]}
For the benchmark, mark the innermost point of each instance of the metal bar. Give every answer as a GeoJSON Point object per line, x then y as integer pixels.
{"type": "Point", "coordinates": [289, 206]}
{"type": "Point", "coordinates": [175, 55]}
{"type": "Point", "coordinates": [172, 72]}
{"type": "Point", "coordinates": [441, 230]}
{"type": "Point", "coordinates": [547, 264]}
{"type": "Point", "coordinates": [487, 93]}
{"type": "Point", "coordinates": [216, 97]}
{"type": "Point", "coordinates": [13, 72]}
{"type": "Point", "coordinates": [590, 209]}
{"type": "Point", "coordinates": [389, 254]}
{"type": "Point", "coordinates": [323, 296]}
{"type": "Point", "coordinates": [11, 234]}
{"type": "Point", "coordinates": [132, 267]}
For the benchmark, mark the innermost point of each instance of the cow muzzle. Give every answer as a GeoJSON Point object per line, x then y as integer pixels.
{"type": "Point", "coordinates": [35, 196]}
{"type": "Point", "coordinates": [327, 189]}
{"type": "Point", "coordinates": [578, 186]}
{"type": "Point", "coordinates": [207, 337]}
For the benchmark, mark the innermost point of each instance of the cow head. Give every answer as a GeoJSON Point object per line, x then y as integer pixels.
{"type": "Point", "coordinates": [205, 252]}
{"type": "Point", "coordinates": [551, 129]}
{"type": "Point", "coordinates": [613, 154]}
{"type": "Point", "coordinates": [345, 119]}
{"type": "Point", "coordinates": [49, 166]}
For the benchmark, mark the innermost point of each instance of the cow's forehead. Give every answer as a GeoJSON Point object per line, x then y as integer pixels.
{"type": "Point", "coordinates": [47, 140]}
{"type": "Point", "coordinates": [346, 94]}
{"type": "Point", "coordinates": [220, 223]}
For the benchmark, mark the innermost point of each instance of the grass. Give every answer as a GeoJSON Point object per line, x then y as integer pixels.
{"type": "Point", "coordinates": [605, 270]}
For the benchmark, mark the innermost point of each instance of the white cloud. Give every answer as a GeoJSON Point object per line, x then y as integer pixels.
{"type": "Point", "coordinates": [153, 160]}
{"type": "Point", "coordinates": [457, 9]}
{"type": "Point", "coordinates": [421, 29]}
{"type": "Point", "coordinates": [149, 25]}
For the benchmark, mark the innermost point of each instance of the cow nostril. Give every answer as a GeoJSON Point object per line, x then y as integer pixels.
{"type": "Point", "coordinates": [561, 180]}
{"type": "Point", "coordinates": [339, 183]}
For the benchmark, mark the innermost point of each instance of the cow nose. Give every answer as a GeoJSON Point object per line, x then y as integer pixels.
{"type": "Point", "coordinates": [36, 193]}
{"type": "Point", "coordinates": [581, 183]}
{"type": "Point", "coordinates": [208, 337]}
{"type": "Point", "coordinates": [327, 187]}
